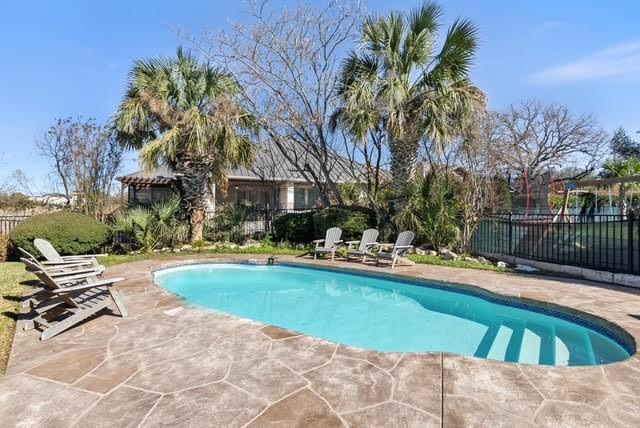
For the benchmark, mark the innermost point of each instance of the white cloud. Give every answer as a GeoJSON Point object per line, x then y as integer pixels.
{"type": "Point", "coordinates": [617, 60]}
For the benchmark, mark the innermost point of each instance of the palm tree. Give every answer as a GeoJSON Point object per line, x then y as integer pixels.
{"type": "Point", "coordinates": [619, 167]}
{"type": "Point", "coordinates": [187, 115]}
{"type": "Point", "coordinates": [397, 80]}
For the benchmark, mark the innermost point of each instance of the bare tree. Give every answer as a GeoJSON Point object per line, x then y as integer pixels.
{"type": "Point", "coordinates": [533, 138]}
{"type": "Point", "coordinates": [85, 159]}
{"type": "Point", "coordinates": [287, 61]}
{"type": "Point", "coordinates": [368, 160]}
{"type": "Point", "coordinates": [533, 141]}
{"type": "Point", "coordinates": [56, 146]}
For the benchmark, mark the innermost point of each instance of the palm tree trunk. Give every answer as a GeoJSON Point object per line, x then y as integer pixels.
{"type": "Point", "coordinates": [195, 180]}
{"type": "Point", "coordinates": [197, 224]}
{"type": "Point", "coordinates": [403, 159]}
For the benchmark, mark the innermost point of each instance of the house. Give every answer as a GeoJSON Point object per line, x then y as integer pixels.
{"type": "Point", "coordinates": [272, 182]}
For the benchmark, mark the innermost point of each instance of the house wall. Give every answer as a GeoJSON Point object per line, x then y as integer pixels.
{"type": "Point", "coordinates": [287, 195]}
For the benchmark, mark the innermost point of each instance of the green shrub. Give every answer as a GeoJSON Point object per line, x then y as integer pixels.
{"type": "Point", "coordinates": [433, 211]}
{"type": "Point", "coordinates": [227, 225]}
{"type": "Point", "coordinates": [352, 220]}
{"type": "Point", "coordinates": [294, 227]}
{"type": "Point", "coordinates": [155, 226]}
{"type": "Point", "coordinates": [4, 247]}
{"type": "Point", "coordinates": [68, 232]}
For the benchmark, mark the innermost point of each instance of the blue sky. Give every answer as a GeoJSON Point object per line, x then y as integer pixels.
{"type": "Point", "coordinates": [71, 58]}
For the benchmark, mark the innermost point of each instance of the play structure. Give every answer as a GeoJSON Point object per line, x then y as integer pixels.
{"type": "Point", "coordinates": [601, 191]}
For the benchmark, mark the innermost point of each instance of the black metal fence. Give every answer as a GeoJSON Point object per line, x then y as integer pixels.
{"type": "Point", "coordinates": [600, 242]}
{"type": "Point", "coordinates": [252, 223]}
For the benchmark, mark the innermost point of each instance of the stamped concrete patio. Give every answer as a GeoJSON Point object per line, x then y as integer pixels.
{"type": "Point", "coordinates": [169, 364]}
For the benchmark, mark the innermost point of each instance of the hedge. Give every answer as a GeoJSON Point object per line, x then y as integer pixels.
{"type": "Point", "coordinates": [294, 227]}
{"type": "Point", "coordinates": [305, 227]}
{"type": "Point", "coordinates": [68, 232]}
{"type": "Point", "coordinates": [352, 220]}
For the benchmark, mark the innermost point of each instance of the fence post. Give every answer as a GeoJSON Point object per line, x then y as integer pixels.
{"type": "Point", "coordinates": [510, 233]}
{"type": "Point", "coordinates": [630, 220]}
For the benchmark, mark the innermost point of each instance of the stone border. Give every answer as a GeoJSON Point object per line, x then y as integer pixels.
{"type": "Point", "coordinates": [623, 279]}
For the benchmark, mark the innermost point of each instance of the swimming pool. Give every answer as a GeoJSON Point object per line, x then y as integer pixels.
{"type": "Point", "coordinates": [391, 315]}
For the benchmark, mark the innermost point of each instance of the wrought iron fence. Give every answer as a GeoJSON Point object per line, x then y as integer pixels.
{"type": "Point", "coordinates": [254, 223]}
{"type": "Point", "coordinates": [597, 241]}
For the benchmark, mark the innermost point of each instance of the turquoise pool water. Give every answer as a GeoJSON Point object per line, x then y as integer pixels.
{"type": "Point", "coordinates": [387, 315]}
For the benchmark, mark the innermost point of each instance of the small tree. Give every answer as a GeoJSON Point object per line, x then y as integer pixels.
{"type": "Point", "coordinates": [532, 139]}
{"type": "Point", "coordinates": [85, 158]}
{"type": "Point", "coordinates": [622, 146]}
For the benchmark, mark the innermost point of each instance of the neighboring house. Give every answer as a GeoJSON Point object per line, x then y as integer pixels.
{"type": "Point", "coordinates": [57, 199]}
{"type": "Point", "coordinates": [273, 182]}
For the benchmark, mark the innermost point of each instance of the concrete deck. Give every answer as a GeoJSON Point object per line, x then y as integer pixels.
{"type": "Point", "coordinates": [169, 364]}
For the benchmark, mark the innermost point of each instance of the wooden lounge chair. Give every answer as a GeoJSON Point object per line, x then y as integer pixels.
{"type": "Point", "coordinates": [330, 243]}
{"type": "Point", "coordinates": [402, 245]}
{"type": "Point", "coordinates": [68, 300]}
{"type": "Point", "coordinates": [49, 252]}
{"type": "Point", "coordinates": [366, 243]}
{"type": "Point", "coordinates": [61, 268]}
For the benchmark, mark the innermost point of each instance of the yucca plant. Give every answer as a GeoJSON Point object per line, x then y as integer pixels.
{"type": "Point", "coordinates": [433, 211]}
{"type": "Point", "coordinates": [188, 115]}
{"type": "Point", "coordinates": [153, 227]}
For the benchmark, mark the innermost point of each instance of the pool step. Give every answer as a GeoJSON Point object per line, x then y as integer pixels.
{"type": "Point", "coordinates": [531, 349]}
{"type": "Point", "coordinates": [574, 348]}
{"type": "Point", "coordinates": [547, 344]}
{"type": "Point", "coordinates": [487, 341]}
{"type": "Point", "coordinates": [500, 344]}
{"type": "Point", "coordinates": [515, 344]}
{"type": "Point", "coordinates": [535, 344]}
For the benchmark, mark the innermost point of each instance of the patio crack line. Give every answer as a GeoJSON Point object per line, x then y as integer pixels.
{"type": "Point", "coordinates": [530, 382]}
{"type": "Point", "coordinates": [275, 402]}
{"type": "Point", "coordinates": [142, 421]}
{"type": "Point", "coordinates": [66, 385]}
{"type": "Point", "coordinates": [328, 404]}
{"type": "Point", "coordinates": [333, 354]}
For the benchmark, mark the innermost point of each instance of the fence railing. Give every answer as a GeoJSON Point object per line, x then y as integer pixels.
{"type": "Point", "coordinates": [8, 222]}
{"type": "Point", "coordinates": [596, 241]}
{"type": "Point", "coordinates": [255, 222]}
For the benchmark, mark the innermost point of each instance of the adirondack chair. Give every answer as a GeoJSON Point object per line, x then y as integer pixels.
{"type": "Point", "coordinates": [402, 245]}
{"type": "Point", "coordinates": [71, 299]}
{"type": "Point", "coordinates": [329, 244]}
{"type": "Point", "coordinates": [49, 252]}
{"type": "Point", "coordinates": [366, 243]}
{"type": "Point", "coordinates": [61, 268]}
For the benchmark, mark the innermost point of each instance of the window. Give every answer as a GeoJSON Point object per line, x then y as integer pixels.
{"type": "Point", "coordinates": [143, 196]}
{"type": "Point", "coordinates": [241, 197]}
{"type": "Point", "coordinates": [299, 199]}
{"type": "Point", "coordinates": [312, 197]}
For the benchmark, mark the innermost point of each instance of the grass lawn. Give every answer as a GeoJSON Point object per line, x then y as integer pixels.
{"type": "Point", "coordinates": [12, 278]}
{"type": "Point", "coordinates": [14, 281]}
